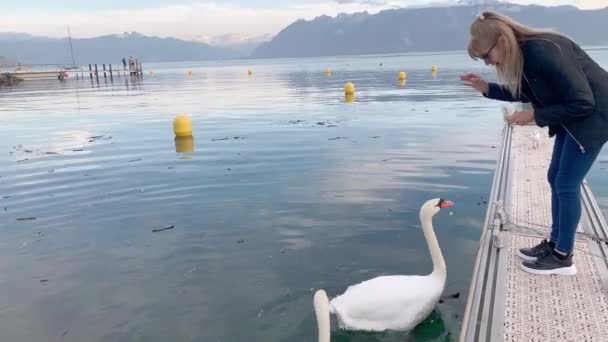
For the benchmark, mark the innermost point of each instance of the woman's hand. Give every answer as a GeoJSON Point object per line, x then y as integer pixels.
{"type": "Point", "coordinates": [475, 81]}
{"type": "Point", "coordinates": [523, 117]}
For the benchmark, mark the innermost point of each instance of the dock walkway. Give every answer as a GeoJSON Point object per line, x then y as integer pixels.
{"type": "Point", "coordinates": [507, 304]}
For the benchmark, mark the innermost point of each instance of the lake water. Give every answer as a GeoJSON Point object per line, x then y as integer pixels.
{"type": "Point", "coordinates": [285, 188]}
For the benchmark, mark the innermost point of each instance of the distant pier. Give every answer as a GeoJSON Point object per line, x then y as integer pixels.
{"type": "Point", "coordinates": [62, 71]}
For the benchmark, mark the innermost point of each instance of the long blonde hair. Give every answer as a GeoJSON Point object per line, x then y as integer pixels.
{"type": "Point", "coordinates": [486, 30]}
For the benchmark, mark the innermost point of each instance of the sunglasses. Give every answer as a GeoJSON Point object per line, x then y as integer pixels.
{"type": "Point", "coordinates": [487, 54]}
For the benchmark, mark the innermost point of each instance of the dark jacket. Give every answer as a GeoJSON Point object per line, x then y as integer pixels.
{"type": "Point", "coordinates": [566, 88]}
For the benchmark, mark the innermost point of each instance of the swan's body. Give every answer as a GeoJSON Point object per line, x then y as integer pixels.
{"type": "Point", "coordinates": [397, 302]}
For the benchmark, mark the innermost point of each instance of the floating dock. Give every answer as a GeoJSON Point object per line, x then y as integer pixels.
{"type": "Point", "coordinates": [60, 72]}
{"type": "Point", "coordinates": [504, 302]}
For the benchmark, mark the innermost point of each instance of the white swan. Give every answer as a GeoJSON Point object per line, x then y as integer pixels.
{"type": "Point", "coordinates": [395, 302]}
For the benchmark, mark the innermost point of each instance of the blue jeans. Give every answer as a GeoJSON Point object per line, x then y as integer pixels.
{"type": "Point", "coordinates": [568, 168]}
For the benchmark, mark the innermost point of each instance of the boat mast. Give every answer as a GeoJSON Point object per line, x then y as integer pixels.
{"type": "Point", "coordinates": [71, 48]}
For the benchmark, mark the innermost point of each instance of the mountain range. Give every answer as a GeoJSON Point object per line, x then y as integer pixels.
{"type": "Point", "coordinates": [440, 27]}
{"type": "Point", "coordinates": [422, 29]}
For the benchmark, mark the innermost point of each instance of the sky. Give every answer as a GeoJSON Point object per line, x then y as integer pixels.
{"type": "Point", "coordinates": [195, 19]}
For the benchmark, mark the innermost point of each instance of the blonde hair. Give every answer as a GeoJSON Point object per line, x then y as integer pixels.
{"type": "Point", "coordinates": [487, 29]}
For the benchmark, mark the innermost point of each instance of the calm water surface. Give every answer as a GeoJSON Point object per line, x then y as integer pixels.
{"type": "Point", "coordinates": [285, 188]}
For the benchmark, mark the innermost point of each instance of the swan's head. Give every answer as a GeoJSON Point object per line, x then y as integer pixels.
{"type": "Point", "coordinates": [433, 206]}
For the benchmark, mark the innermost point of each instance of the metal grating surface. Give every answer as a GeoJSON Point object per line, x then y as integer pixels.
{"type": "Point", "coordinates": [554, 308]}
{"type": "Point", "coordinates": [531, 193]}
{"type": "Point", "coordinates": [546, 308]}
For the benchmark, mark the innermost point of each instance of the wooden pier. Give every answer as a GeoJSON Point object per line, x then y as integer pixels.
{"type": "Point", "coordinates": [507, 304]}
{"type": "Point", "coordinates": [61, 72]}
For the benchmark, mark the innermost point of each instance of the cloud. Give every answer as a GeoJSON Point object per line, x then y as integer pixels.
{"type": "Point", "coordinates": [182, 21]}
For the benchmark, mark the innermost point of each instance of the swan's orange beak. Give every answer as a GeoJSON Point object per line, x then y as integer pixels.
{"type": "Point", "coordinates": [446, 204]}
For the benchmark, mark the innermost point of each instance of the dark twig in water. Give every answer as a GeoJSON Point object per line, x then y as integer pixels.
{"type": "Point", "coordinates": [134, 160]}
{"type": "Point", "coordinates": [336, 138]}
{"type": "Point", "coordinates": [221, 139]}
{"type": "Point", "coordinates": [161, 229]}
{"type": "Point", "coordinates": [25, 218]}
{"type": "Point", "coordinates": [452, 296]}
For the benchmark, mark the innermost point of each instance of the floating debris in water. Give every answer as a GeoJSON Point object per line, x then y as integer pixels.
{"type": "Point", "coordinates": [5, 197]}
{"type": "Point", "coordinates": [452, 296]}
{"type": "Point", "coordinates": [376, 137]}
{"type": "Point", "coordinates": [51, 153]}
{"type": "Point", "coordinates": [77, 150]}
{"type": "Point", "coordinates": [65, 333]}
{"type": "Point", "coordinates": [222, 139]}
{"type": "Point", "coordinates": [51, 171]}
{"type": "Point", "coordinates": [134, 160]}
{"type": "Point", "coordinates": [161, 229]}
{"type": "Point", "coordinates": [22, 160]}
{"type": "Point", "coordinates": [25, 218]}
{"type": "Point", "coordinates": [99, 137]}
{"type": "Point", "coordinates": [240, 241]}
{"type": "Point", "coordinates": [325, 124]}
{"type": "Point", "coordinates": [292, 122]}
{"type": "Point", "coordinates": [44, 280]}
{"type": "Point", "coordinates": [337, 138]}
{"type": "Point", "coordinates": [284, 250]}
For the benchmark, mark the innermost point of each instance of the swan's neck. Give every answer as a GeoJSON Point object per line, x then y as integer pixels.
{"type": "Point", "coordinates": [429, 233]}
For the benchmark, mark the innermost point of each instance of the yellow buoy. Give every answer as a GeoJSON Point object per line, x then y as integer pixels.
{"type": "Point", "coordinates": [249, 72]}
{"type": "Point", "coordinates": [434, 68]}
{"type": "Point", "coordinates": [328, 71]}
{"type": "Point", "coordinates": [349, 98]}
{"type": "Point", "coordinates": [349, 88]}
{"type": "Point", "coordinates": [184, 144]}
{"type": "Point", "coordinates": [182, 126]}
{"type": "Point", "coordinates": [402, 76]}
{"type": "Point", "coordinates": [190, 72]}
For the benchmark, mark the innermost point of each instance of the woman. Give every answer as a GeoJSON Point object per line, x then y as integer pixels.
{"type": "Point", "coordinates": [569, 93]}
